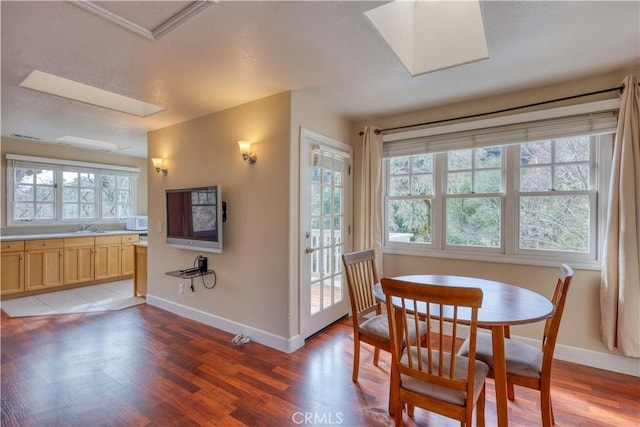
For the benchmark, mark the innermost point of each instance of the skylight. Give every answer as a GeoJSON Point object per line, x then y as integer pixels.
{"type": "Point", "coordinates": [430, 35]}
{"type": "Point", "coordinates": [65, 88]}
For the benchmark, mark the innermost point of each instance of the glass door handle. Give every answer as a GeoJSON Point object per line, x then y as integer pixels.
{"type": "Point", "coordinates": [309, 250]}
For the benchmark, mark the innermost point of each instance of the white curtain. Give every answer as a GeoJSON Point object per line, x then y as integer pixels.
{"type": "Point", "coordinates": [370, 230]}
{"type": "Point", "coordinates": [620, 284]}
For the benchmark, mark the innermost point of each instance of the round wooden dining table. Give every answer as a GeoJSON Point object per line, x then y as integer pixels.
{"type": "Point", "coordinates": [503, 305]}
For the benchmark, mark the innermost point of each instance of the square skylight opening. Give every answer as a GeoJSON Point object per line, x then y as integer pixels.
{"type": "Point", "coordinates": [431, 35]}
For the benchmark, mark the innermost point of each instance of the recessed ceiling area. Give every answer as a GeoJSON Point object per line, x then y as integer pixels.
{"type": "Point", "coordinates": [233, 52]}
{"type": "Point", "coordinates": [149, 22]}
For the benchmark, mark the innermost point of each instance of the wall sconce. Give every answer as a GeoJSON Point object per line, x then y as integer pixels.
{"type": "Point", "coordinates": [158, 163]}
{"type": "Point", "coordinates": [247, 154]}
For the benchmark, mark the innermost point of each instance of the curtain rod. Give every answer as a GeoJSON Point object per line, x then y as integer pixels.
{"type": "Point", "coordinates": [471, 116]}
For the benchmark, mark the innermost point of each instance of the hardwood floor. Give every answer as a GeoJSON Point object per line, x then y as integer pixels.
{"type": "Point", "coordinates": [145, 366]}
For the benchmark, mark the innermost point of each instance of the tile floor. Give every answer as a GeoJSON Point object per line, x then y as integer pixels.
{"type": "Point", "coordinates": [107, 296]}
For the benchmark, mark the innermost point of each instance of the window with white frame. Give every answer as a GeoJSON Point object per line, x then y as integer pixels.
{"type": "Point", "coordinates": [522, 198]}
{"type": "Point", "coordinates": [52, 191]}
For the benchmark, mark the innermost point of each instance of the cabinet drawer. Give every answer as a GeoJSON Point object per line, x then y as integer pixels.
{"type": "Point", "coordinates": [130, 238]}
{"type": "Point", "coordinates": [43, 244]}
{"type": "Point", "coordinates": [107, 240]}
{"type": "Point", "coordinates": [15, 246]}
{"type": "Point", "coordinates": [78, 241]}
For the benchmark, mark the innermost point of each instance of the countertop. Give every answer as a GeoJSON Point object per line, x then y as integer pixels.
{"type": "Point", "coordinates": [71, 234]}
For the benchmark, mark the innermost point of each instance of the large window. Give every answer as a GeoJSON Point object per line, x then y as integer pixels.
{"type": "Point", "coordinates": [50, 191]}
{"type": "Point", "coordinates": [537, 199]}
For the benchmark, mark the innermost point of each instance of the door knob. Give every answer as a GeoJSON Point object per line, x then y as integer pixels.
{"type": "Point", "coordinates": [309, 251]}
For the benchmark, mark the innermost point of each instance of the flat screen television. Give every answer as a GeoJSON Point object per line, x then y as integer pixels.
{"type": "Point", "coordinates": [194, 218]}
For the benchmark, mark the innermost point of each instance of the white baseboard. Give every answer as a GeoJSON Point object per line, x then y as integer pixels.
{"type": "Point", "coordinates": [287, 345]}
{"type": "Point", "coordinates": [596, 359]}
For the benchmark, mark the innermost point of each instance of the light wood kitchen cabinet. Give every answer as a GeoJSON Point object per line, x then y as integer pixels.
{"type": "Point", "coordinates": [32, 266]}
{"type": "Point", "coordinates": [140, 274]}
{"type": "Point", "coordinates": [12, 267]}
{"type": "Point", "coordinates": [44, 263]}
{"type": "Point", "coordinates": [107, 257]}
{"type": "Point", "coordinates": [78, 260]}
{"type": "Point", "coordinates": [127, 250]}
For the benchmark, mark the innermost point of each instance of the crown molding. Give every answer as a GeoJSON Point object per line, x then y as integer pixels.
{"type": "Point", "coordinates": [167, 26]}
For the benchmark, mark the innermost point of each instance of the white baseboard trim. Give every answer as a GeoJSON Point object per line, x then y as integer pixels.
{"type": "Point", "coordinates": [287, 345]}
{"type": "Point", "coordinates": [596, 359]}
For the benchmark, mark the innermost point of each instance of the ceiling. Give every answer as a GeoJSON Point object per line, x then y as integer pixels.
{"type": "Point", "coordinates": [233, 52]}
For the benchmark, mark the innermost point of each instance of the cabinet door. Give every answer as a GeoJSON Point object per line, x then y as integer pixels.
{"type": "Point", "coordinates": [127, 259]}
{"type": "Point", "coordinates": [43, 268]}
{"type": "Point", "coordinates": [12, 272]}
{"type": "Point", "coordinates": [126, 263]}
{"type": "Point", "coordinates": [78, 264]}
{"type": "Point", "coordinates": [140, 276]}
{"type": "Point", "coordinates": [107, 261]}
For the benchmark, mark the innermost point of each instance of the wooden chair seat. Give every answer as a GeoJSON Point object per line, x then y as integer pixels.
{"type": "Point", "coordinates": [522, 359]}
{"type": "Point", "coordinates": [446, 394]}
{"type": "Point", "coordinates": [378, 328]}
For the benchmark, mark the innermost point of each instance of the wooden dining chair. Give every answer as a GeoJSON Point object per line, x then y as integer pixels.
{"type": "Point", "coordinates": [529, 366]}
{"type": "Point", "coordinates": [431, 375]}
{"type": "Point", "coordinates": [361, 275]}
{"type": "Point", "coordinates": [369, 322]}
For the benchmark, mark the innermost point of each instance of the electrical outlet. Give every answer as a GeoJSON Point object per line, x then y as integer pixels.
{"type": "Point", "coordinates": [181, 288]}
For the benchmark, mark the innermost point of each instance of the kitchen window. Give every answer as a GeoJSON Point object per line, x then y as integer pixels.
{"type": "Point", "coordinates": [42, 191]}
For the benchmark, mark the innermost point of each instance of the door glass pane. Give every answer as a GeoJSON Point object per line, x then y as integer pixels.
{"type": "Point", "coordinates": [316, 295]}
{"type": "Point", "coordinates": [315, 200]}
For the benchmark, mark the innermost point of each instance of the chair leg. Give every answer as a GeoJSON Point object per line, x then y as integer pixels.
{"type": "Point", "coordinates": [480, 408]}
{"type": "Point", "coordinates": [510, 392]}
{"type": "Point", "coordinates": [411, 409]}
{"type": "Point", "coordinates": [356, 359]}
{"type": "Point", "coordinates": [545, 408]}
{"type": "Point", "coordinates": [376, 356]}
{"type": "Point", "coordinates": [398, 414]}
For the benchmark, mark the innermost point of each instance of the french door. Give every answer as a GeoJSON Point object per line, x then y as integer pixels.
{"type": "Point", "coordinates": [325, 198]}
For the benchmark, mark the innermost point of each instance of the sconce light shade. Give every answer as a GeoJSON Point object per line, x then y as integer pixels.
{"type": "Point", "coordinates": [245, 150]}
{"type": "Point", "coordinates": [158, 163]}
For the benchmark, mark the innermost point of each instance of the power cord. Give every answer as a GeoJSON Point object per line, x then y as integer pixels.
{"type": "Point", "coordinates": [210, 272]}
